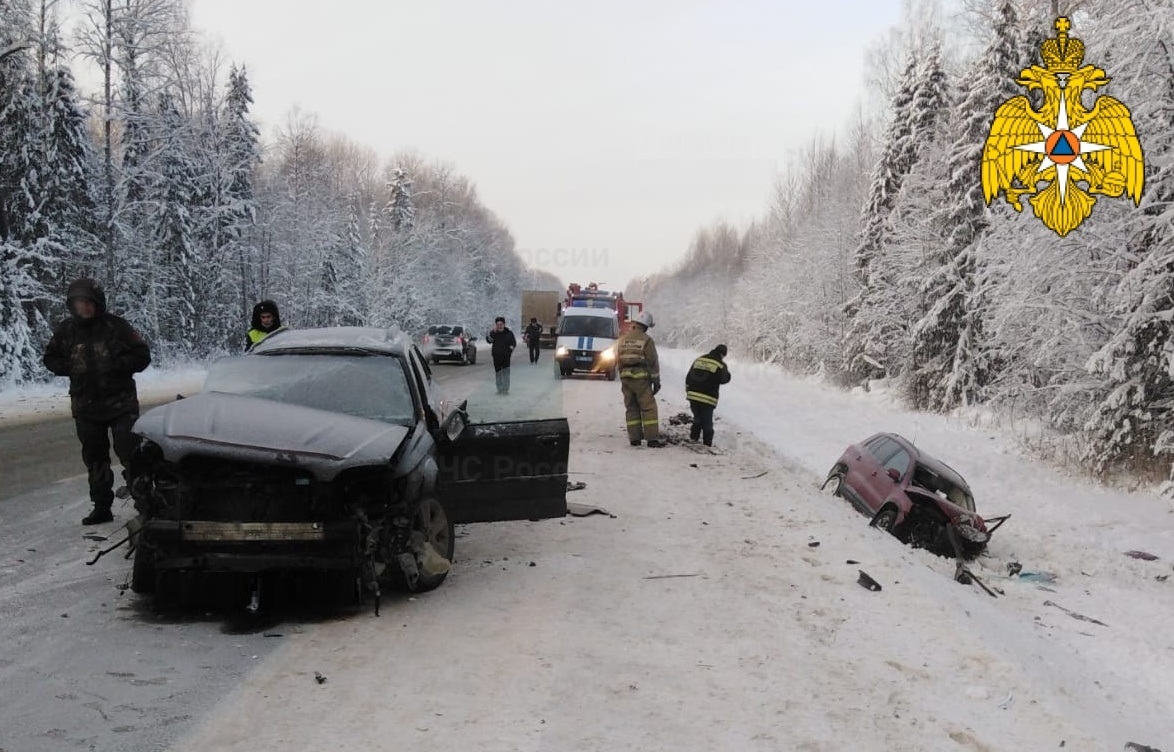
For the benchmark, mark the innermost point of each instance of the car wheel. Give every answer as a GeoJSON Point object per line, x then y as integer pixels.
{"type": "Point", "coordinates": [436, 361]}
{"type": "Point", "coordinates": [473, 357]}
{"type": "Point", "coordinates": [611, 375]}
{"type": "Point", "coordinates": [885, 519]}
{"type": "Point", "coordinates": [142, 573]}
{"type": "Point", "coordinates": [431, 527]}
{"type": "Point", "coordinates": [833, 483]}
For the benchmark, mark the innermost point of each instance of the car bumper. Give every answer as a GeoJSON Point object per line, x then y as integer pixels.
{"type": "Point", "coordinates": [585, 360]}
{"type": "Point", "coordinates": [252, 546]}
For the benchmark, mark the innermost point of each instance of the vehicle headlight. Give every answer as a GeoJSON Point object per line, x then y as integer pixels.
{"type": "Point", "coordinates": [608, 354]}
{"type": "Point", "coordinates": [560, 352]}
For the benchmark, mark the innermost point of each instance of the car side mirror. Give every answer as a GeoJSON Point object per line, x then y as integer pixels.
{"type": "Point", "coordinates": [895, 474]}
{"type": "Point", "coordinates": [455, 422]}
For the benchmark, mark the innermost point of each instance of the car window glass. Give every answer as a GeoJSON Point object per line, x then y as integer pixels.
{"type": "Point", "coordinates": [432, 329]}
{"type": "Point", "coordinates": [363, 385]}
{"type": "Point", "coordinates": [458, 330]}
{"type": "Point", "coordinates": [423, 375]}
{"type": "Point", "coordinates": [587, 326]}
{"type": "Point", "coordinates": [899, 461]}
{"type": "Point", "coordinates": [884, 448]}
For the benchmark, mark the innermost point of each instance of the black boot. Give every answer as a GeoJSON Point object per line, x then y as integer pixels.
{"type": "Point", "coordinates": [98, 516]}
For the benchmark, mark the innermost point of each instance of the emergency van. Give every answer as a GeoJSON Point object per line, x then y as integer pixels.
{"type": "Point", "coordinates": [586, 342]}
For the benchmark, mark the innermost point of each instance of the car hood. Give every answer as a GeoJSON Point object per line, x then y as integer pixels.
{"type": "Point", "coordinates": [251, 429]}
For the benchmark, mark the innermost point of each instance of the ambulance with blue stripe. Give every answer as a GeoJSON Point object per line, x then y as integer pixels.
{"type": "Point", "coordinates": [587, 334]}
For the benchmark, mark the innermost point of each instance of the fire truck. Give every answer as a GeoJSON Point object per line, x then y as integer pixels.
{"type": "Point", "coordinates": [592, 297]}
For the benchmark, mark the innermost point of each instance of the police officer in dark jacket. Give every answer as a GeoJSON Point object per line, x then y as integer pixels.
{"type": "Point", "coordinates": [503, 342]}
{"type": "Point", "coordinates": [266, 320]}
{"type": "Point", "coordinates": [100, 353]}
{"type": "Point", "coordinates": [702, 383]}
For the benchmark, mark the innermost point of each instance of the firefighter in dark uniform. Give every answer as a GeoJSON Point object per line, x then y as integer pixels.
{"type": "Point", "coordinates": [702, 383]}
{"type": "Point", "coordinates": [266, 320]}
{"type": "Point", "coordinates": [640, 381]}
{"type": "Point", "coordinates": [100, 353]}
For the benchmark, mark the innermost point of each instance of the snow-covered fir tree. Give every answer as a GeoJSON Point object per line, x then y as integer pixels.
{"type": "Point", "coordinates": [951, 361]}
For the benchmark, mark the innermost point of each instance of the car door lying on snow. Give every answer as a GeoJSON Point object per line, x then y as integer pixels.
{"type": "Point", "coordinates": [512, 470]}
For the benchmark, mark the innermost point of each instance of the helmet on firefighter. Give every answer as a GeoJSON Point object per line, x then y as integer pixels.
{"type": "Point", "coordinates": [645, 318]}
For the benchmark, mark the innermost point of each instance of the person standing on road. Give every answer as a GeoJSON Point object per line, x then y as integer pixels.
{"type": "Point", "coordinates": [503, 342]}
{"type": "Point", "coordinates": [640, 381]}
{"type": "Point", "coordinates": [533, 337]}
{"type": "Point", "coordinates": [100, 353]}
{"type": "Point", "coordinates": [266, 320]}
{"type": "Point", "coordinates": [702, 383]}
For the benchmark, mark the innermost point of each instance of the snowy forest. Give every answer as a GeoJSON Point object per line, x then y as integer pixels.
{"type": "Point", "coordinates": [161, 187]}
{"type": "Point", "coordinates": [879, 259]}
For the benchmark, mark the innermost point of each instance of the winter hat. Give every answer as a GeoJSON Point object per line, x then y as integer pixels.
{"type": "Point", "coordinates": [720, 351]}
{"type": "Point", "coordinates": [266, 306]}
{"type": "Point", "coordinates": [86, 289]}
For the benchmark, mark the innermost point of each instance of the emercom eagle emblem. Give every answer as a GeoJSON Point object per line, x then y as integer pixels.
{"type": "Point", "coordinates": [1062, 154]}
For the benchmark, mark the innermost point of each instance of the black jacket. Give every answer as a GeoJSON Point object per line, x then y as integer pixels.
{"type": "Point", "coordinates": [503, 343]}
{"type": "Point", "coordinates": [100, 356]}
{"type": "Point", "coordinates": [534, 334]}
{"type": "Point", "coordinates": [257, 332]}
{"type": "Point", "coordinates": [705, 377]}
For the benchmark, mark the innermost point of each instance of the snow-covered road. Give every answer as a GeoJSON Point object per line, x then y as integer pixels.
{"type": "Point", "coordinates": [702, 617]}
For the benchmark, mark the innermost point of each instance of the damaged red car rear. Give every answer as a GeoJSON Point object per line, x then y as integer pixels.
{"type": "Point", "coordinates": [919, 499]}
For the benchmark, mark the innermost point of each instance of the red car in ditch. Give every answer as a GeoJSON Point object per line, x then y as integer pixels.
{"type": "Point", "coordinates": [919, 499]}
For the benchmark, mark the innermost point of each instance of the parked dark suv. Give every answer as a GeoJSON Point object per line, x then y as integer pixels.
{"type": "Point", "coordinates": [919, 499]}
{"type": "Point", "coordinates": [450, 342]}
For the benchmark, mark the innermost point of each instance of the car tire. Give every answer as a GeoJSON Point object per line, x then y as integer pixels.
{"type": "Point", "coordinates": [142, 573]}
{"type": "Point", "coordinates": [433, 521]}
{"type": "Point", "coordinates": [833, 483]}
{"type": "Point", "coordinates": [611, 374]}
{"type": "Point", "coordinates": [473, 358]}
{"type": "Point", "coordinates": [886, 519]}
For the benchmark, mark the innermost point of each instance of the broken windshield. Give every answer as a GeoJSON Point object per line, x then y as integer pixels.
{"type": "Point", "coordinates": [364, 385]}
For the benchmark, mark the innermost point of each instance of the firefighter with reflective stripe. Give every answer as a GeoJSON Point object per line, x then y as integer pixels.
{"type": "Point", "coordinates": [640, 381]}
{"type": "Point", "coordinates": [702, 383]}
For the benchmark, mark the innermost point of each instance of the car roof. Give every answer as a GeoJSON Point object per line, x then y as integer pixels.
{"type": "Point", "coordinates": [602, 313]}
{"type": "Point", "coordinates": [934, 464]}
{"type": "Point", "coordinates": [371, 339]}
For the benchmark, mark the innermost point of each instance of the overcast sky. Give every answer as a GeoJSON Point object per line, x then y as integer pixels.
{"type": "Point", "coordinates": [603, 134]}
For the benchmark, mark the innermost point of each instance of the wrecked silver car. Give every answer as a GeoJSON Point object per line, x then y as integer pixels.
{"type": "Point", "coordinates": [329, 450]}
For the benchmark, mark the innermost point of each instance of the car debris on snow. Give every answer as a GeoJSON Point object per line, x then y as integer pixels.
{"type": "Point", "coordinates": [1135, 747]}
{"type": "Point", "coordinates": [318, 677]}
{"type": "Point", "coordinates": [1074, 614]}
{"type": "Point", "coordinates": [576, 509]}
{"type": "Point", "coordinates": [867, 582]}
{"type": "Point", "coordinates": [1143, 555]}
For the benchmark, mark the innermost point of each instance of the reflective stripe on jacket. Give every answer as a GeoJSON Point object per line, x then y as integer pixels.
{"type": "Point", "coordinates": [636, 353]}
{"type": "Point", "coordinates": [705, 378]}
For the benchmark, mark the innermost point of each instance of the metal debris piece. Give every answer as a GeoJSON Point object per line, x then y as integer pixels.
{"type": "Point", "coordinates": [319, 678]}
{"type": "Point", "coordinates": [1075, 615]}
{"type": "Point", "coordinates": [582, 510]}
{"type": "Point", "coordinates": [867, 582]}
{"type": "Point", "coordinates": [1143, 555]}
